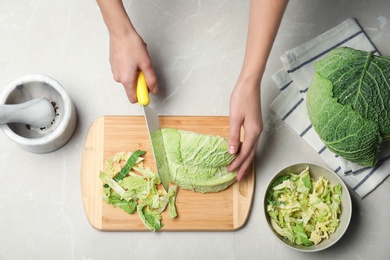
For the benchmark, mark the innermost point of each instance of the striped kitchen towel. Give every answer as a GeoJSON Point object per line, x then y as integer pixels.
{"type": "Point", "coordinates": [294, 79]}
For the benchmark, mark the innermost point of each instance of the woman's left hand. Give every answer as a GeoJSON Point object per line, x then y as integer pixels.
{"type": "Point", "coordinates": [245, 114]}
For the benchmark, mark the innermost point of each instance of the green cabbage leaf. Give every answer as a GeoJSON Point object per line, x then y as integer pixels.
{"type": "Point", "coordinates": [196, 162]}
{"type": "Point", "coordinates": [348, 103]}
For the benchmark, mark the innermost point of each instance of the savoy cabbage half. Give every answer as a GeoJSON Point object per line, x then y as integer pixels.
{"type": "Point", "coordinates": [348, 103]}
{"type": "Point", "coordinates": [196, 162]}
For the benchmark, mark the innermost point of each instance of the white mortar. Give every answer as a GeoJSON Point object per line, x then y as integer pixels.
{"type": "Point", "coordinates": [38, 140]}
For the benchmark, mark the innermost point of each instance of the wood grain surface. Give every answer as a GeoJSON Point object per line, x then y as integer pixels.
{"type": "Point", "coordinates": [222, 211]}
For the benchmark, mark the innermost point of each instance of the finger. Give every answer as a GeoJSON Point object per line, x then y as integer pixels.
{"type": "Point", "coordinates": [131, 95]}
{"type": "Point", "coordinates": [234, 135]}
{"type": "Point", "coordinates": [245, 156]}
{"type": "Point", "coordinates": [243, 164]}
{"type": "Point", "coordinates": [150, 76]}
{"type": "Point", "coordinates": [246, 152]}
{"type": "Point", "coordinates": [151, 80]}
{"type": "Point", "coordinates": [130, 85]}
{"type": "Point", "coordinates": [244, 168]}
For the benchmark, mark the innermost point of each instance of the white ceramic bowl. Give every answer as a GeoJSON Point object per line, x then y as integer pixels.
{"type": "Point", "coordinates": [33, 139]}
{"type": "Point", "coordinates": [346, 205]}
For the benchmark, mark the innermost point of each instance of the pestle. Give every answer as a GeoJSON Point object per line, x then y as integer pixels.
{"type": "Point", "coordinates": [37, 112]}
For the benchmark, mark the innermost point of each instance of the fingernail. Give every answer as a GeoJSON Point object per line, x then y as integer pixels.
{"type": "Point", "coordinates": [232, 149]}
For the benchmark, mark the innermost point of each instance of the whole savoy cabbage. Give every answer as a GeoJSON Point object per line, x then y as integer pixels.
{"type": "Point", "coordinates": [348, 103]}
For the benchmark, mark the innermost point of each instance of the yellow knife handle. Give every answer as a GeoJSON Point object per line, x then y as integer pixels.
{"type": "Point", "coordinates": [142, 90]}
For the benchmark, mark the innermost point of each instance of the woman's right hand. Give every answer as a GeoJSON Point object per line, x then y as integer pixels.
{"type": "Point", "coordinates": [129, 56]}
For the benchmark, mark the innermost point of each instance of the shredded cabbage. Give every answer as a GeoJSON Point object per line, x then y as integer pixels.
{"type": "Point", "coordinates": [303, 210]}
{"type": "Point", "coordinates": [136, 190]}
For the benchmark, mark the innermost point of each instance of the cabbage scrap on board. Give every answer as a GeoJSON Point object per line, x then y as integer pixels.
{"type": "Point", "coordinates": [196, 162]}
{"type": "Point", "coordinates": [348, 103]}
{"type": "Point", "coordinates": [303, 210]}
{"type": "Point", "coordinates": [132, 187]}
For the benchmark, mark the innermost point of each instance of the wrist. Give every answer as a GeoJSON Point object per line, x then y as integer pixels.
{"type": "Point", "coordinates": [122, 29]}
{"type": "Point", "coordinates": [250, 78]}
{"type": "Point", "coordinates": [115, 17]}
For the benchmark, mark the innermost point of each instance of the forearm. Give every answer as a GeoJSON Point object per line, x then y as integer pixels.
{"type": "Point", "coordinates": [115, 17]}
{"type": "Point", "coordinates": [264, 21]}
{"type": "Point", "coordinates": [128, 52]}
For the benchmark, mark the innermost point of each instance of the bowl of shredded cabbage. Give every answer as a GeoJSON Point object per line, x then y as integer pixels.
{"type": "Point", "coordinates": [307, 206]}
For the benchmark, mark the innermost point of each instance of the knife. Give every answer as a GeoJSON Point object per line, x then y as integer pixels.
{"type": "Point", "coordinates": [153, 126]}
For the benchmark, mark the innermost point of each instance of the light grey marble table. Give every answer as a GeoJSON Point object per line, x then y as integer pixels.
{"type": "Point", "coordinates": [197, 48]}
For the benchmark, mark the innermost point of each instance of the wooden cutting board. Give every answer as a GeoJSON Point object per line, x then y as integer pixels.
{"type": "Point", "coordinates": [222, 211]}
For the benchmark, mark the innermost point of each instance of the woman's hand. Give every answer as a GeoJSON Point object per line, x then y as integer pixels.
{"type": "Point", "coordinates": [245, 114]}
{"type": "Point", "coordinates": [128, 52]}
{"type": "Point", "coordinates": [129, 56]}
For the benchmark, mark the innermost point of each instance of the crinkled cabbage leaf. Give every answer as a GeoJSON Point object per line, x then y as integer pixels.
{"type": "Point", "coordinates": [348, 103]}
{"type": "Point", "coordinates": [196, 162]}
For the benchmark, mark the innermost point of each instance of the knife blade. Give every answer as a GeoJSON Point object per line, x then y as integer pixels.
{"type": "Point", "coordinates": [155, 135]}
